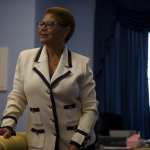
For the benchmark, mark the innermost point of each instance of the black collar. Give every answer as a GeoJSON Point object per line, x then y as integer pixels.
{"type": "Point", "coordinates": [38, 54]}
{"type": "Point", "coordinates": [69, 59]}
{"type": "Point", "coordinates": [40, 51]}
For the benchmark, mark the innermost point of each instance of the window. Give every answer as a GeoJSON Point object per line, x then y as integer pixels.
{"type": "Point", "coordinates": [149, 64]}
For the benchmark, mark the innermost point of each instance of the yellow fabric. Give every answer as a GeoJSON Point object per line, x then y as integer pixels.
{"type": "Point", "coordinates": [17, 142]}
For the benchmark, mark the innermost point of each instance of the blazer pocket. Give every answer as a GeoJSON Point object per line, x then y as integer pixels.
{"type": "Point", "coordinates": [35, 116]}
{"type": "Point", "coordinates": [71, 114]}
{"type": "Point", "coordinates": [36, 138]}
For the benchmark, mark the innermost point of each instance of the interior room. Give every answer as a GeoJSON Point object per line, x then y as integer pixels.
{"type": "Point", "coordinates": [112, 33]}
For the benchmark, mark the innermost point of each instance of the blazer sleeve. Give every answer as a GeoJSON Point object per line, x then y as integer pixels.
{"type": "Point", "coordinates": [16, 101]}
{"type": "Point", "coordinates": [89, 107]}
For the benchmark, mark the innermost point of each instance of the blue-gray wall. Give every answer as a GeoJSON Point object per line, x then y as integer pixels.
{"type": "Point", "coordinates": [17, 31]}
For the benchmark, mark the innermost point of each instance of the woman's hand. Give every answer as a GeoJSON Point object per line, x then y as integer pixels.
{"type": "Point", "coordinates": [6, 133]}
{"type": "Point", "coordinates": [72, 147]}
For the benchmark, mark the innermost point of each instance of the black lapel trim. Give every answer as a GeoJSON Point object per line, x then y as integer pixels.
{"type": "Point", "coordinates": [54, 111]}
{"type": "Point", "coordinates": [56, 119]}
{"type": "Point", "coordinates": [53, 106]}
{"type": "Point", "coordinates": [38, 54]}
{"type": "Point", "coordinates": [42, 77]}
{"type": "Point", "coordinates": [69, 58]}
{"type": "Point", "coordinates": [65, 74]}
{"type": "Point", "coordinates": [11, 117]}
{"type": "Point", "coordinates": [60, 78]}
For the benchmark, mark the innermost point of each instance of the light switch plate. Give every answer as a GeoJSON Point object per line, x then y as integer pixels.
{"type": "Point", "coordinates": [3, 68]}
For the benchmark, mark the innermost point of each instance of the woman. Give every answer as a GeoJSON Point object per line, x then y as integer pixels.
{"type": "Point", "coordinates": [58, 87]}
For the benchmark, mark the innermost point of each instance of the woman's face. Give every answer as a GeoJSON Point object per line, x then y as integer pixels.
{"type": "Point", "coordinates": [50, 31]}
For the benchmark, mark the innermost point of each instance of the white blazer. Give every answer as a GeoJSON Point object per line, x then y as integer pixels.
{"type": "Point", "coordinates": [63, 109]}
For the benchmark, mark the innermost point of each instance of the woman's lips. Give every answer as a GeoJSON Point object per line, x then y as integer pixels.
{"type": "Point", "coordinates": [43, 35]}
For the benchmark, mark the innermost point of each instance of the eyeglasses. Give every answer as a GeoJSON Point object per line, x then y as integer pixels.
{"type": "Point", "coordinates": [49, 24]}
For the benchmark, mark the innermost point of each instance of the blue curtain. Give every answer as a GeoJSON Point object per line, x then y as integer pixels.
{"type": "Point", "coordinates": [120, 69]}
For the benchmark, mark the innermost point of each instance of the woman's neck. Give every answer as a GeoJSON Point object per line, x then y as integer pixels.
{"type": "Point", "coordinates": [54, 51]}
